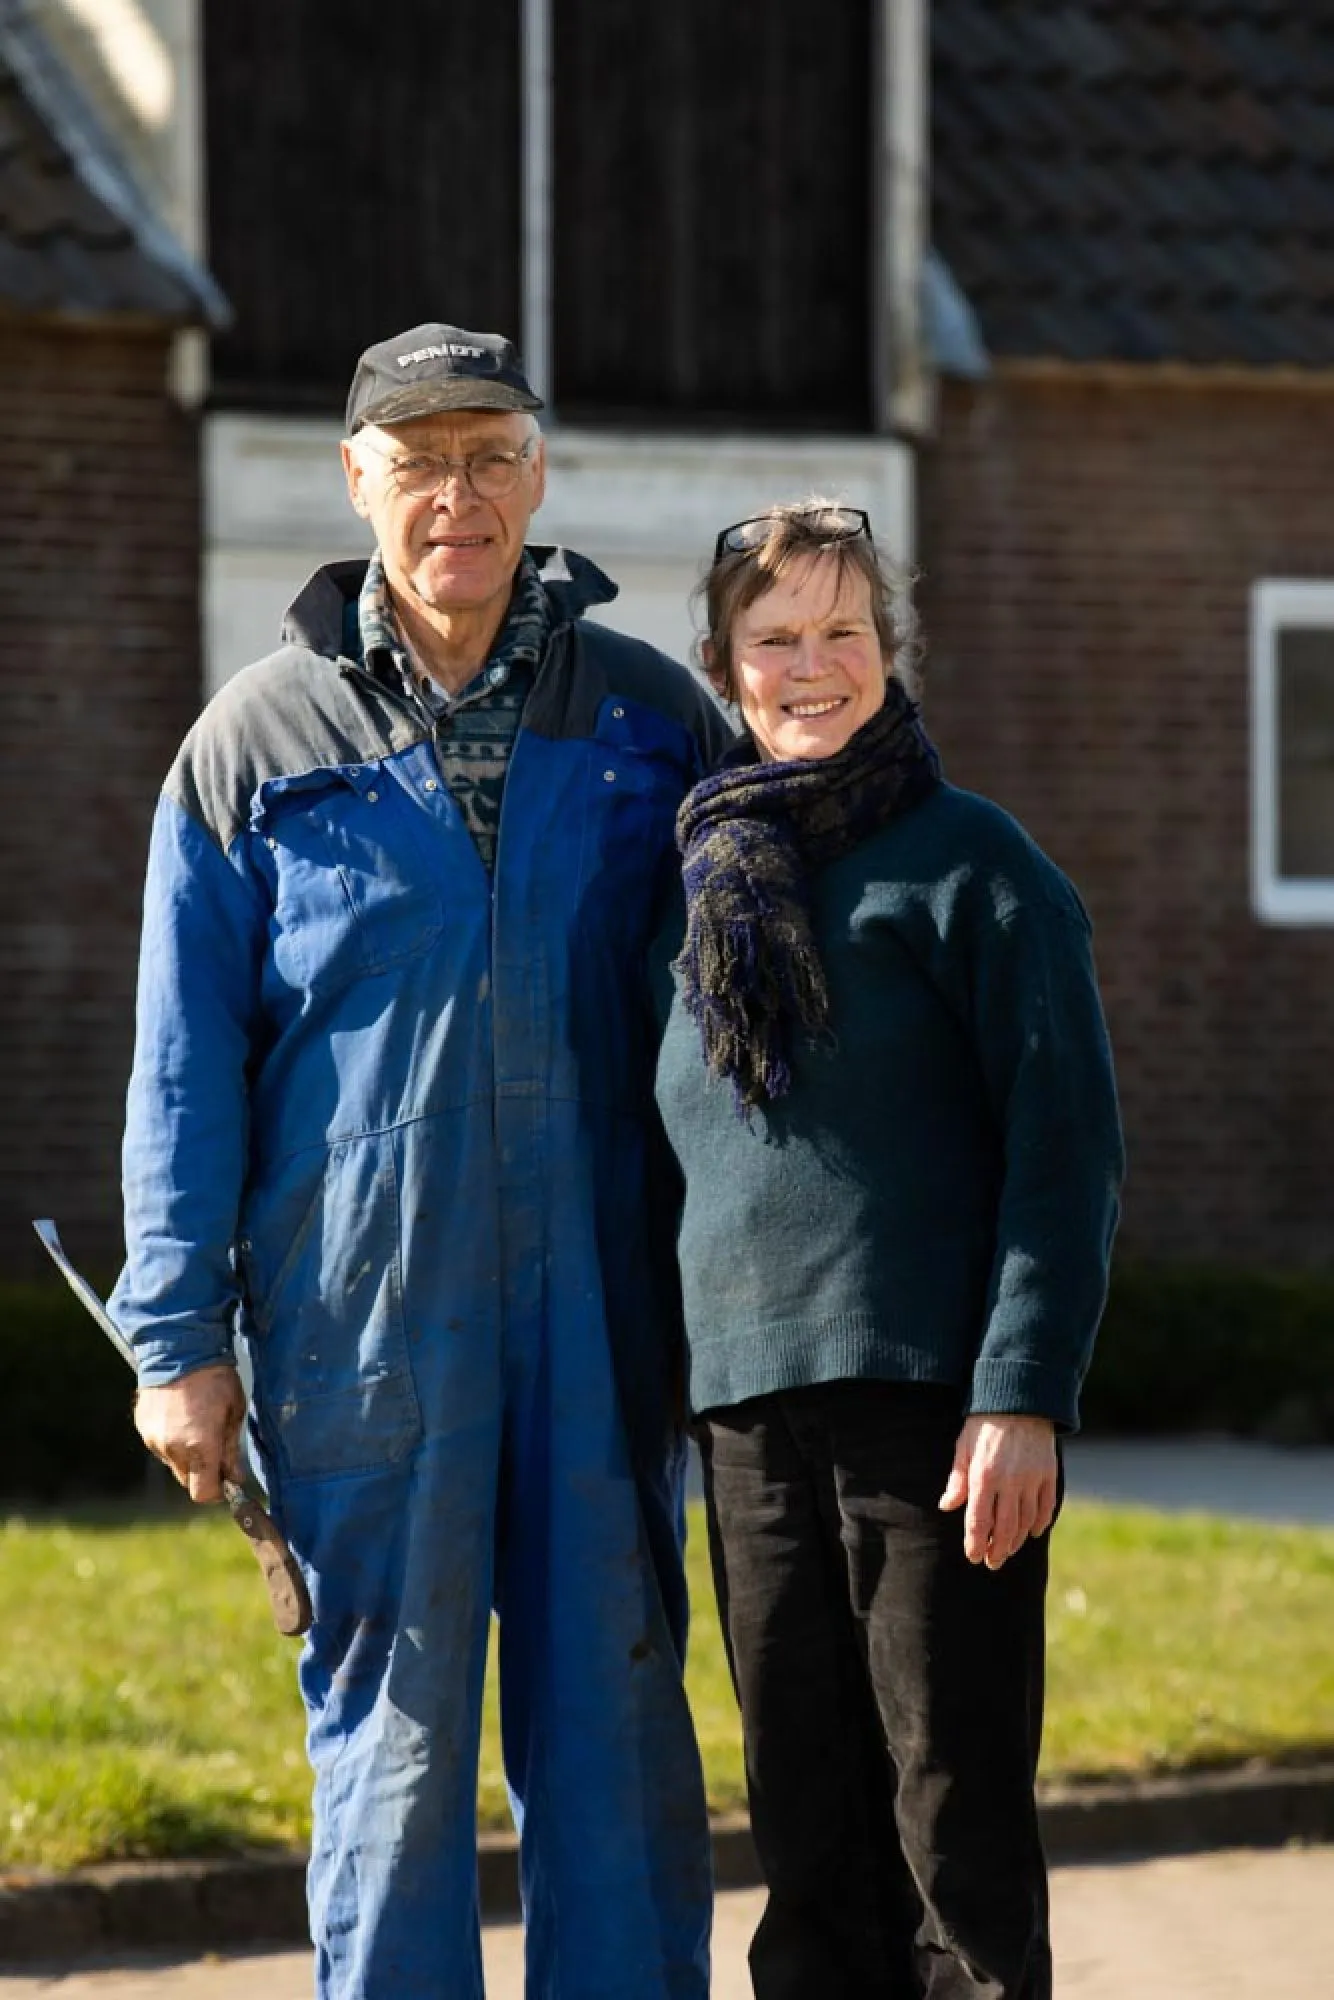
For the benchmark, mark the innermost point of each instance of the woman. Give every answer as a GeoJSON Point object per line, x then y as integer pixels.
{"type": "Point", "coordinates": [886, 1079]}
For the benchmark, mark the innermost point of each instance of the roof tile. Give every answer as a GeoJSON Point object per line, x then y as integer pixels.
{"type": "Point", "coordinates": [1146, 182]}
{"type": "Point", "coordinates": [74, 232]}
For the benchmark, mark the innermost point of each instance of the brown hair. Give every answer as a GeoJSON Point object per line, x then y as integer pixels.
{"type": "Point", "coordinates": [740, 576]}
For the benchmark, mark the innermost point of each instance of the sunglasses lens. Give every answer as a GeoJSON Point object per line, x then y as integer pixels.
{"type": "Point", "coordinates": [839, 523]}
{"type": "Point", "coordinates": [749, 534]}
{"type": "Point", "coordinates": [836, 524]}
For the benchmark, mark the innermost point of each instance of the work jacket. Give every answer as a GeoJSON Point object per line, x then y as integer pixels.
{"type": "Point", "coordinates": [356, 1052]}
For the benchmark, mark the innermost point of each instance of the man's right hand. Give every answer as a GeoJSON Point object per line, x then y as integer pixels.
{"type": "Point", "coordinates": [194, 1426]}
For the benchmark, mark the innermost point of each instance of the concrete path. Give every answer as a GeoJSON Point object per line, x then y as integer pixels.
{"type": "Point", "coordinates": [1216, 1475]}
{"type": "Point", "coordinates": [1240, 1925]}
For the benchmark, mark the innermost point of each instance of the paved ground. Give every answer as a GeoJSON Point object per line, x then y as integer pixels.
{"type": "Point", "coordinates": [1217, 1475]}
{"type": "Point", "coordinates": [1234, 1476]}
{"type": "Point", "coordinates": [1233, 1926]}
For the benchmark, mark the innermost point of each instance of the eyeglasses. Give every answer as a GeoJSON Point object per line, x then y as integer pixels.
{"type": "Point", "coordinates": [828, 524]}
{"type": "Point", "coordinates": [491, 475]}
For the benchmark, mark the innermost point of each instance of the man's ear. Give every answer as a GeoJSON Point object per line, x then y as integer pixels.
{"type": "Point", "coordinates": [355, 474]}
{"type": "Point", "coordinates": [538, 465]}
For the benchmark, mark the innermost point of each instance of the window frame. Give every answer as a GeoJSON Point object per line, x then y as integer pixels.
{"type": "Point", "coordinates": [1280, 604]}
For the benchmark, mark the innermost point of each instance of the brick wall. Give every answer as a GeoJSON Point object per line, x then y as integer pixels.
{"type": "Point", "coordinates": [99, 678]}
{"type": "Point", "coordinates": [1088, 549]}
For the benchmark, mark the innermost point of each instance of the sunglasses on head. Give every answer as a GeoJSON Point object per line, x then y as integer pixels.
{"type": "Point", "coordinates": [828, 524]}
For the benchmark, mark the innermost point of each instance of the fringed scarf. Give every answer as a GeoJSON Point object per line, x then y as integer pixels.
{"type": "Point", "coordinates": [751, 837]}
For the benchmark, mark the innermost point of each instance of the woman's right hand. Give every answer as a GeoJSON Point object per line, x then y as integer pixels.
{"type": "Point", "coordinates": [1005, 1472]}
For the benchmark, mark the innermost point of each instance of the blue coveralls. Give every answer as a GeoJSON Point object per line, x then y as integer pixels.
{"type": "Point", "coordinates": [395, 1118]}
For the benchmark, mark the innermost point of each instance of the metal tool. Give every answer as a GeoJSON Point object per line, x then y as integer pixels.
{"type": "Point", "coordinates": [288, 1596]}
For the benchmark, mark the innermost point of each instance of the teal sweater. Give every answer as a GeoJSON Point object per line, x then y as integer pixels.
{"type": "Point", "coordinates": [934, 1201]}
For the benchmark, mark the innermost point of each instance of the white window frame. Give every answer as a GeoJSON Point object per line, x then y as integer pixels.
{"type": "Point", "coordinates": [1279, 604]}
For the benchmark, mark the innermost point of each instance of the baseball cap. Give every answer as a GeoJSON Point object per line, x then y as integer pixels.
{"type": "Point", "coordinates": [436, 367]}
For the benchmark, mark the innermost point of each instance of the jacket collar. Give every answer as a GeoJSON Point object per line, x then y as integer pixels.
{"type": "Point", "coordinates": [315, 617]}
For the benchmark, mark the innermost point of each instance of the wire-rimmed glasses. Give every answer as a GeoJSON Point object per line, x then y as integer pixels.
{"type": "Point", "coordinates": [489, 473]}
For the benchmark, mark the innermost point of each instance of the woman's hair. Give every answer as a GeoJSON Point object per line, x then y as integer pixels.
{"type": "Point", "coordinates": [740, 576]}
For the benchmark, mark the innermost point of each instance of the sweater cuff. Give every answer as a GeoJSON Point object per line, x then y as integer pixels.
{"type": "Point", "coordinates": [1010, 1388]}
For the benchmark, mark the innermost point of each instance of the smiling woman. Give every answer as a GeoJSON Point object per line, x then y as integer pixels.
{"type": "Point", "coordinates": [893, 1262]}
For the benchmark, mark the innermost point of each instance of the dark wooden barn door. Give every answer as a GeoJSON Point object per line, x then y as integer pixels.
{"type": "Point", "coordinates": [712, 253]}
{"type": "Point", "coordinates": [363, 175]}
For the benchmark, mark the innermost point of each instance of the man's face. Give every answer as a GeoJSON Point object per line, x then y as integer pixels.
{"type": "Point", "coordinates": [450, 549]}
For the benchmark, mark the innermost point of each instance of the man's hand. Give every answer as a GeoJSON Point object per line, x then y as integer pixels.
{"type": "Point", "coordinates": [1005, 1469]}
{"type": "Point", "coordinates": [194, 1426]}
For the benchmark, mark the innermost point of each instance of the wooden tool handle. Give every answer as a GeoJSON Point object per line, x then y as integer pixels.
{"type": "Point", "coordinates": [288, 1597]}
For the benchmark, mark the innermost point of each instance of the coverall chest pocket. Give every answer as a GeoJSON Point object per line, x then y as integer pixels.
{"type": "Point", "coordinates": [356, 887]}
{"type": "Point", "coordinates": [635, 799]}
{"type": "Point", "coordinates": [635, 793]}
{"type": "Point", "coordinates": [323, 1274]}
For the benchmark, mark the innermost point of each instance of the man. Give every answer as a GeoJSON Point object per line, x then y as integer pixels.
{"type": "Point", "coordinates": [390, 1112]}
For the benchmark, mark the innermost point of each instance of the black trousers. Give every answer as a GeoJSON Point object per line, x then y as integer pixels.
{"type": "Point", "coordinates": [891, 1701]}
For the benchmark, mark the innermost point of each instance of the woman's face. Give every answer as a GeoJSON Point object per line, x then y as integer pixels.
{"type": "Point", "coordinates": [806, 661]}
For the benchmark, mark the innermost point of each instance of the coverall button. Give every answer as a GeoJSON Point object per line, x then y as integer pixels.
{"type": "Point", "coordinates": [372, 796]}
{"type": "Point", "coordinates": [432, 785]}
{"type": "Point", "coordinates": [610, 776]}
{"type": "Point", "coordinates": [618, 713]}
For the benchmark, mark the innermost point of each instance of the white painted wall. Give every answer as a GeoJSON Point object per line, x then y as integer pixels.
{"type": "Point", "coordinates": [645, 507]}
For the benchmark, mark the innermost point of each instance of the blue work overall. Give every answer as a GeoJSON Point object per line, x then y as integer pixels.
{"type": "Point", "coordinates": [392, 1117]}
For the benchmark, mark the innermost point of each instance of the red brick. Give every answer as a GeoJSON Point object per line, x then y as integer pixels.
{"type": "Point", "coordinates": [1088, 550]}
{"type": "Point", "coordinates": [99, 677]}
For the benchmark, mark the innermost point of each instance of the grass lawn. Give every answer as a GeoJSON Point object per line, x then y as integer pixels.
{"type": "Point", "coordinates": [147, 1707]}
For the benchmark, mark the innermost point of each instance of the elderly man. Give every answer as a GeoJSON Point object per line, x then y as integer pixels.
{"type": "Point", "coordinates": [391, 1117]}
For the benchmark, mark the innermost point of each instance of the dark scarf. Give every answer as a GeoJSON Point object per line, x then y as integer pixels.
{"type": "Point", "coordinates": [751, 836]}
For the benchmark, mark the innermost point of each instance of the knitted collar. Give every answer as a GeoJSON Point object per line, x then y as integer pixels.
{"type": "Point", "coordinates": [521, 640]}
{"type": "Point", "coordinates": [751, 837]}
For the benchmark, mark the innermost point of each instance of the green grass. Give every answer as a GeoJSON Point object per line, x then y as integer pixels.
{"type": "Point", "coordinates": [147, 1707]}
{"type": "Point", "coordinates": [1186, 1640]}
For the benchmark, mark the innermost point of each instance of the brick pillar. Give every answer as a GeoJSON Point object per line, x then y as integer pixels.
{"type": "Point", "coordinates": [99, 679]}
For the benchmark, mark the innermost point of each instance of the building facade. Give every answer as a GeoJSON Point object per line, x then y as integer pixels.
{"type": "Point", "coordinates": [1088, 387]}
{"type": "Point", "coordinates": [707, 239]}
{"type": "Point", "coordinates": [99, 624]}
{"type": "Point", "coordinates": [1129, 558]}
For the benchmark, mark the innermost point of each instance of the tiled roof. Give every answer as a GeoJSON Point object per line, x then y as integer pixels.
{"type": "Point", "coordinates": [1133, 181]}
{"type": "Point", "coordinates": [75, 233]}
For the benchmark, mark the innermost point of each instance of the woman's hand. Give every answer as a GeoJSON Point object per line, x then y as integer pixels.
{"type": "Point", "coordinates": [1005, 1469]}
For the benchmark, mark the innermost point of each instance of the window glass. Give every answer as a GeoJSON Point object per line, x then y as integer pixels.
{"type": "Point", "coordinates": [1305, 692]}
{"type": "Point", "coordinates": [363, 176]}
{"type": "Point", "coordinates": [712, 214]}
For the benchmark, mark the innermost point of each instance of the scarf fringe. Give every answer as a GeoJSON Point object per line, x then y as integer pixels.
{"type": "Point", "coordinates": [744, 983]}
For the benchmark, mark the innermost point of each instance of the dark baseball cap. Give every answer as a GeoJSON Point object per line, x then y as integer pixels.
{"type": "Point", "coordinates": [436, 367]}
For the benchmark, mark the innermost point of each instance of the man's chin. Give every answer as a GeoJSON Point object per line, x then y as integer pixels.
{"type": "Point", "coordinates": [450, 585]}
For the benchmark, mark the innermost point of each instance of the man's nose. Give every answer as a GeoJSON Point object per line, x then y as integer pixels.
{"type": "Point", "coordinates": [454, 494]}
